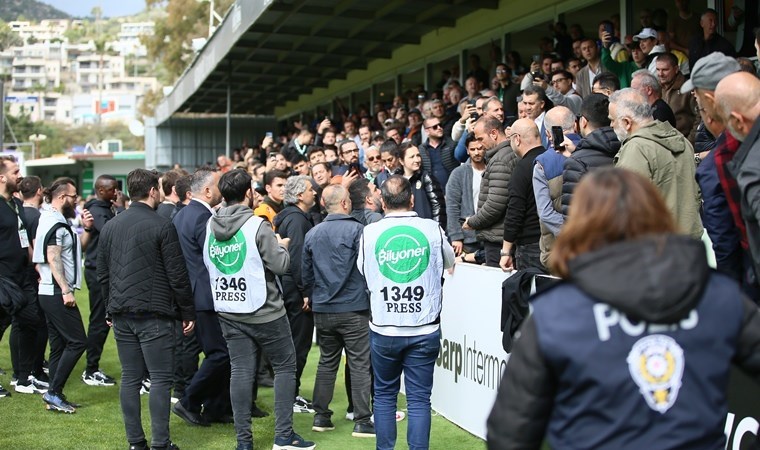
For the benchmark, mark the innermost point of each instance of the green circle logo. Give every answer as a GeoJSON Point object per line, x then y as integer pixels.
{"type": "Point", "coordinates": [403, 254]}
{"type": "Point", "coordinates": [228, 256]}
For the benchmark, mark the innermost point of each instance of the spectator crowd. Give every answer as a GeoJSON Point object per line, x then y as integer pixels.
{"type": "Point", "coordinates": [345, 225]}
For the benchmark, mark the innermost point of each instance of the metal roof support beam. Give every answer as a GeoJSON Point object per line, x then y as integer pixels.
{"type": "Point", "coordinates": [228, 124]}
{"type": "Point", "coordinates": [397, 85]}
{"type": "Point", "coordinates": [463, 55]}
{"type": "Point", "coordinates": [429, 83]}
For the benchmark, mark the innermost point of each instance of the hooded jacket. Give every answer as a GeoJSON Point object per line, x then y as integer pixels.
{"type": "Point", "coordinates": [633, 351]}
{"type": "Point", "coordinates": [224, 225]}
{"type": "Point", "coordinates": [598, 149]}
{"type": "Point", "coordinates": [664, 156]}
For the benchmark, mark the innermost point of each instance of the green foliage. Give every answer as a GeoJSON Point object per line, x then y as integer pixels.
{"type": "Point", "coordinates": [185, 21]}
{"type": "Point", "coordinates": [61, 138]}
{"type": "Point", "coordinates": [8, 37]}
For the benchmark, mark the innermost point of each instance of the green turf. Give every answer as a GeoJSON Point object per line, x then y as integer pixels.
{"type": "Point", "coordinates": [25, 424]}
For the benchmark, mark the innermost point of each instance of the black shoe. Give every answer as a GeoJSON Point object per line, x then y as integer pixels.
{"type": "Point", "coordinates": [189, 417]}
{"type": "Point", "coordinates": [4, 392]}
{"type": "Point", "coordinates": [170, 446]}
{"type": "Point", "coordinates": [322, 423]}
{"type": "Point", "coordinates": [141, 446]}
{"type": "Point", "coordinates": [244, 446]}
{"type": "Point", "coordinates": [365, 429]}
{"type": "Point", "coordinates": [257, 412]}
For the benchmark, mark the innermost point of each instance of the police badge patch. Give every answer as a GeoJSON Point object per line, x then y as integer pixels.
{"type": "Point", "coordinates": [656, 364]}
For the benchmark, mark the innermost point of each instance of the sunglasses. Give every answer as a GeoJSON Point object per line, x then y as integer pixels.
{"type": "Point", "coordinates": [374, 158]}
{"type": "Point", "coordinates": [434, 127]}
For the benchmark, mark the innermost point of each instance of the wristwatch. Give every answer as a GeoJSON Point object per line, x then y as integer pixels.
{"type": "Point", "coordinates": [503, 253]}
{"type": "Point", "coordinates": [697, 159]}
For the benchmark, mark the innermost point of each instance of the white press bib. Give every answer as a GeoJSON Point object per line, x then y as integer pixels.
{"type": "Point", "coordinates": [403, 266]}
{"type": "Point", "coordinates": [235, 270]}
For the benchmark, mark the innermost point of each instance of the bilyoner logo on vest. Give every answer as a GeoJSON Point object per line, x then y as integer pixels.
{"type": "Point", "coordinates": [403, 254]}
{"type": "Point", "coordinates": [228, 256]}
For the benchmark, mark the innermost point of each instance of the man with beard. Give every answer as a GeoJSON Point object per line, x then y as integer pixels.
{"type": "Point", "coordinates": [209, 389]}
{"type": "Point", "coordinates": [14, 258]}
{"type": "Point", "coordinates": [365, 201]}
{"type": "Point", "coordinates": [659, 152]}
{"type": "Point", "coordinates": [103, 208]}
{"type": "Point", "coordinates": [147, 289]}
{"type": "Point", "coordinates": [462, 197]}
{"type": "Point", "coordinates": [293, 222]}
{"type": "Point", "coordinates": [59, 258]}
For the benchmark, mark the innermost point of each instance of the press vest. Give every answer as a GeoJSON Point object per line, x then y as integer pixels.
{"type": "Point", "coordinates": [235, 269]}
{"type": "Point", "coordinates": [403, 266]}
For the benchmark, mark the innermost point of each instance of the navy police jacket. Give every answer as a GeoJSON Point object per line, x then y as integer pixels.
{"type": "Point", "coordinates": [632, 352]}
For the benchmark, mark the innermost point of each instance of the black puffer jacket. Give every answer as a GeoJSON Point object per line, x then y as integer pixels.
{"type": "Point", "coordinates": [141, 268]}
{"type": "Point", "coordinates": [595, 150]}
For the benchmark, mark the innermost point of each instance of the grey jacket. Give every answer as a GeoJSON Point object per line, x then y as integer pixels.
{"type": "Point", "coordinates": [459, 203]}
{"type": "Point", "coordinates": [494, 192]}
{"type": "Point", "coordinates": [276, 259]}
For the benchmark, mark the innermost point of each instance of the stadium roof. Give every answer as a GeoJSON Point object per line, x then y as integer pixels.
{"type": "Point", "coordinates": [272, 52]}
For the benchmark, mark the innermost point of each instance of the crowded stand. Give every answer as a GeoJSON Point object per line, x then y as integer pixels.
{"type": "Point", "coordinates": [606, 164]}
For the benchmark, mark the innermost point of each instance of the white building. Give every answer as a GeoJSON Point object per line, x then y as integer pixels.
{"type": "Point", "coordinates": [38, 66]}
{"type": "Point", "coordinates": [129, 43]}
{"type": "Point", "coordinates": [88, 70]}
{"type": "Point", "coordinates": [46, 30]}
{"type": "Point", "coordinates": [47, 106]}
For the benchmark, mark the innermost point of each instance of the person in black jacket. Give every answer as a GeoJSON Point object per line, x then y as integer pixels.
{"type": "Point", "coordinates": [597, 148]}
{"type": "Point", "coordinates": [103, 207]}
{"type": "Point", "coordinates": [522, 230]}
{"type": "Point", "coordinates": [146, 288]}
{"type": "Point", "coordinates": [294, 222]}
{"type": "Point", "coordinates": [428, 195]}
{"type": "Point", "coordinates": [633, 350]}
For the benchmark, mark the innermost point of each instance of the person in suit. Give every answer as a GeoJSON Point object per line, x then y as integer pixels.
{"type": "Point", "coordinates": [210, 386]}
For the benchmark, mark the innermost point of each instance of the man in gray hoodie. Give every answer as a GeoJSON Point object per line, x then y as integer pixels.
{"type": "Point", "coordinates": [244, 258]}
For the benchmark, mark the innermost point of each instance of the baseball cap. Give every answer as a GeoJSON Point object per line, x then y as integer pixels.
{"type": "Point", "coordinates": [646, 33]}
{"type": "Point", "coordinates": [709, 70]}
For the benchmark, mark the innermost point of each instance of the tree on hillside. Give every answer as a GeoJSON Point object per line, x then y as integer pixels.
{"type": "Point", "coordinates": [8, 37]}
{"type": "Point", "coordinates": [173, 35]}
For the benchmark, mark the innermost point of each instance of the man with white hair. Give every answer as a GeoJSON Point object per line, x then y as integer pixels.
{"type": "Point", "coordinates": [293, 222]}
{"type": "Point", "coordinates": [659, 152]}
{"type": "Point", "coordinates": [649, 86]}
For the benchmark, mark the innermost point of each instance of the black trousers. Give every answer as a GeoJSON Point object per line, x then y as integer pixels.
{"type": "Point", "coordinates": [301, 325]}
{"type": "Point", "coordinates": [210, 386]}
{"type": "Point", "coordinates": [24, 336]}
{"type": "Point", "coordinates": [493, 254]}
{"type": "Point", "coordinates": [67, 339]}
{"type": "Point", "coordinates": [186, 352]}
{"type": "Point", "coordinates": [97, 331]}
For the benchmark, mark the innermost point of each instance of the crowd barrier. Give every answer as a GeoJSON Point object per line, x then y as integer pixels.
{"type": "Point", "coordinates": [471, 360]}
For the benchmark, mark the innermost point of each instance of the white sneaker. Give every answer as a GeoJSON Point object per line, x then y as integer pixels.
{"type": "Point", "coordinates": [400, 415]}
{"type": "Point", "coordinates": [31, 388]}
{"type": "Point", "coordinates": [302, 405]}
{"type": "Point", "coordinates": [97, 378]}
{"type": "Point", "coordinates": [350, 416]}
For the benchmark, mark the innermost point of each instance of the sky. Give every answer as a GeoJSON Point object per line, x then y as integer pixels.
{"type": "Point", "coordinates": [111, 8]}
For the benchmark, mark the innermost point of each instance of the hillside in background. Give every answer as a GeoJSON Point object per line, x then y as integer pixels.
{"type": "Point", "coordinates": [29, 9]}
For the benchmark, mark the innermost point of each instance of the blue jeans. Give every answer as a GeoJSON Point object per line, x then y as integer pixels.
{"type": "Point", "coordinates": [244, 341]}
{"type": "Point", "coordinates": [145, 343]}
{"type": "Point", "coordinates": [415, 357]}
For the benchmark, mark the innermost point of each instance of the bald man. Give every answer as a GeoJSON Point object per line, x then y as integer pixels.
{"type": "Point", "coordinates": [522, 231]}
{"type": "Point", "coordinates": [739, 98]}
